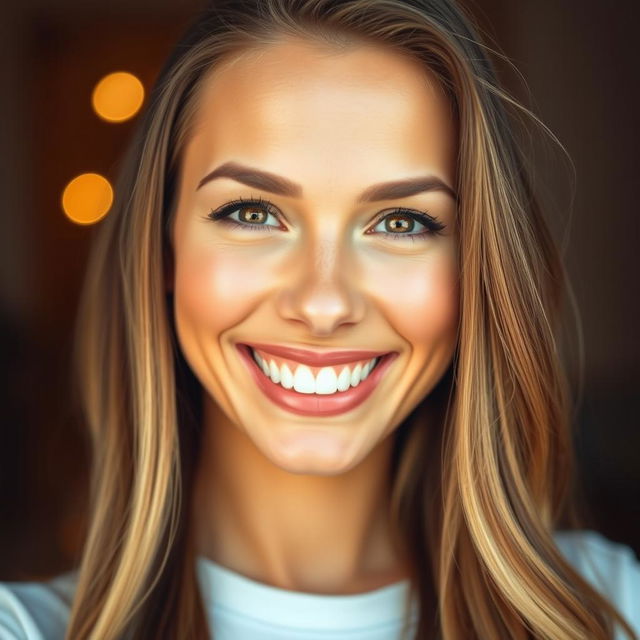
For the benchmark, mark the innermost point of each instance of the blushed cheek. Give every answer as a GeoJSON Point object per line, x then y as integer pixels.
{"type": "Point", "coordinates": [422, 302]}
{"type": "Point", "coordinates": [217, 287]}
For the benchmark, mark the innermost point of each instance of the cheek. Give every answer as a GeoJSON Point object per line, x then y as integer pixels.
{"type": "Point", "coordinates": [421, 299]}
{"type": "Point", "coordinates": [216, 286]}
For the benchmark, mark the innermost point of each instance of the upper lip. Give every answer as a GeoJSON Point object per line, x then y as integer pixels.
{"type": "Point", "coordinates": [317, 358]}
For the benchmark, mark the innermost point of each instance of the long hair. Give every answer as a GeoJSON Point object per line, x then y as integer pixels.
{"type": "Point", "coordinates": [482, 467]}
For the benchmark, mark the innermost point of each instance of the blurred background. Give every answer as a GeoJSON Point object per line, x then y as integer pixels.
{"type": "Point", "coordinates": [73, 74]}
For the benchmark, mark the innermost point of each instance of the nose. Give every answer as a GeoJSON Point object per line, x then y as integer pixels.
{"type": "Point", "coordinates": [323, 291]}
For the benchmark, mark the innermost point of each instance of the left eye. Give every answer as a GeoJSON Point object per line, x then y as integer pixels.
{"type": "Point", "coordinates": [405, 219]}
{"type": "Point", "coordinates": [253, 215]}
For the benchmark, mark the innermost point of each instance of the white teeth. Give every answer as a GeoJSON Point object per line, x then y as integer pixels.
{"type": "Point", "coordinates": [356, 378]}
{"type": "Point", "coordinates": [287, 377]}
{"type": "Point", "coordinates": [303, 380]}
{"type": "Point", "coordinates": [325, 383]}
{"type": "Point", "coordinates": [274, 371]}
{"type": "Point", "coordinates": [344, 379]}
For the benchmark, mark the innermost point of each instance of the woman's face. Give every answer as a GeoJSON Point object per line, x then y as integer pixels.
{"type": "Point", "coordinates": [322, 263]}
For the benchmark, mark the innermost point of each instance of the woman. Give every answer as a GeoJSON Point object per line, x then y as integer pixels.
{"type": "Point", "coordinates": [301, 419]}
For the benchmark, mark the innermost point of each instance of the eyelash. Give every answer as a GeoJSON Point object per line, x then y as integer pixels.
{"type": "Point", "coordinates": [221, 215]}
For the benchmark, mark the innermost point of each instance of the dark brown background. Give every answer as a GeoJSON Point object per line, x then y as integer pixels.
{"type": "Point", "coordinates": [580, 65]}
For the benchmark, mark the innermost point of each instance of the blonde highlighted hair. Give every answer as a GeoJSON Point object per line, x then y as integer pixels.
{"type": "Point", "coordinates": [481, 468]}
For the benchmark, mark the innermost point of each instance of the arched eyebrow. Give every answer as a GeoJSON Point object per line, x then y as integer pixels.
{"type": "Point", "coordinates": [280, 185]}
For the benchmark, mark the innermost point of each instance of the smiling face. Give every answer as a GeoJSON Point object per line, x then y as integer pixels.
{"type": "Point", "coordinates": [315, 258]}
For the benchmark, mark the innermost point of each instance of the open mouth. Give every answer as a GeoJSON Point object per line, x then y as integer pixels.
{"type": "Point", "coordinates": [320, 380]}
{"type": "Point", "coordinates": [316, 391]}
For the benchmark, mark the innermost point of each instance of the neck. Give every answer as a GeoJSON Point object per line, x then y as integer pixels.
{"type": "Point", "coordinates": [313, 533]}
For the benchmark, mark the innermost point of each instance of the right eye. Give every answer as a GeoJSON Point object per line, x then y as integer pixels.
{"type": "Point", "coordinates": [252, 214]}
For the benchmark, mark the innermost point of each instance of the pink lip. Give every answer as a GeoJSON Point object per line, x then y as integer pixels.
{"type": "Point", "coordinates": [311, 404]}
{"type": "Point", "coordinates": [316, 358]}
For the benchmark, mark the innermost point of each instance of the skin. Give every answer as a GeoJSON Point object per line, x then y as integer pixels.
{"type": "Point", "coordinates": [297, 502]}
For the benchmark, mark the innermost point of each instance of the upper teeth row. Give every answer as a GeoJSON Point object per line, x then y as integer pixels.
{"type": "Point", "coordinates": [327, 381]}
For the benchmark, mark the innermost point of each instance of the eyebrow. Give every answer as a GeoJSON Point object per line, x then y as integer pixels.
{"type": "Point", "coordinates": [273, 183]}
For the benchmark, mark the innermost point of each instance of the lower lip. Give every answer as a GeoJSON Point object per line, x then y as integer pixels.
{"type": "Point", "coordinates": [312, 404]}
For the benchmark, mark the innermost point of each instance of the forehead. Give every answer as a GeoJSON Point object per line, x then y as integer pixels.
{"type": "Point", "coordinates": [324, 109]}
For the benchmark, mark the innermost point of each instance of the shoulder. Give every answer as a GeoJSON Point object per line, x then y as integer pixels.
{"type": "Point", "coordinates": [40, 610]}
{"type": "Point", "coordinates": [612, 568]}
{"type": "Point", "coordinates": [36, 610]}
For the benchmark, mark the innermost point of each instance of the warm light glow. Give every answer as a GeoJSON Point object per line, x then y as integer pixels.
{"type": "Point", "coordinates": [118, 96]}
{"type": "Point", "coordinates": [87, 198]}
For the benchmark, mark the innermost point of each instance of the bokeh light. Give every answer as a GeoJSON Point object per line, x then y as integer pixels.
{"type": "Point", "coordinates": [87, 198]}
{"type": "Point", "coordinates": [117, 96]}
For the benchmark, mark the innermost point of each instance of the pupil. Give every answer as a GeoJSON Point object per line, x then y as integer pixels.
{"type": "Point", "coordinates": [253, 213]}
{"type": "Point", "coordinates": [403, 224]}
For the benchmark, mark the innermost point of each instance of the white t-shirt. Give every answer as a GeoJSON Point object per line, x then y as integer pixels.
{"type": "Point", "coordinates": [239, 608]}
